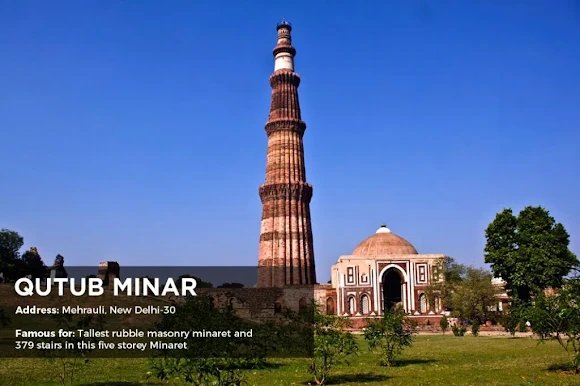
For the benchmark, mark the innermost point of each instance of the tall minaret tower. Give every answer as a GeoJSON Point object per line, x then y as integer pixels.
{"type": "Point", "coordinates": [286, 253]}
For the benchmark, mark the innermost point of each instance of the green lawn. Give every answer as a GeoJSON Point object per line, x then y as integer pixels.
{"type": "Point", "coordinates": [432, 360]}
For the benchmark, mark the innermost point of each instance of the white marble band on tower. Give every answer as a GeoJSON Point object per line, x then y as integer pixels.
{"type": "Point", "coordinates": [284, 52]}
{"type": "Point", "coordinates": [283, 61]}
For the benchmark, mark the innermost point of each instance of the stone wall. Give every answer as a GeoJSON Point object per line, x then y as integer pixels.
{"type": "Point", "coordinates": [261, 304]}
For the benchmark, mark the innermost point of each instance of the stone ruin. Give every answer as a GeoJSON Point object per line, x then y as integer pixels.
{"type": "Point", "coordinates": [108, 271]}
{"type": "Point", "coordinates": [57, 271]}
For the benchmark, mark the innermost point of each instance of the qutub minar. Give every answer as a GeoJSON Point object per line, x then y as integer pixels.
{"type": "Point", "coordinates": [286, 254]}
{"type": "Point", "coordinates": [383, 271]}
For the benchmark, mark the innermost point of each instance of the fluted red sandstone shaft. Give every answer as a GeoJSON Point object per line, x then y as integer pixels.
{"type": "Point", "coordinates": [286, 253]}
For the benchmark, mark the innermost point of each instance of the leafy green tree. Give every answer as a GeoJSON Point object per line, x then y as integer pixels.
{"type": "Point", "coordinates": [33, 264]}
{"type": "Point", "coordinates": [473, 297]}
{"type": "Point", "coordinates": [200, 283]}
{"type": "Point", "coordinates": [529, 251]}
{"type": "Point", "coordinates": [465, 291]}
{"type": "Point", "coordinates": [453, 271]}
{"type": "Point", "coordinates": [558, 317]}
{"type": "Point", "coordinates": [10, 244]}
{"type": "Point", "coordinates": [390, 334]}
{"type": "Point", "coordinates": [231, 285]}
{"type": "Point", "coordinates": [333, 345]}
{"type": "Point", "coordinates": [447, 274]}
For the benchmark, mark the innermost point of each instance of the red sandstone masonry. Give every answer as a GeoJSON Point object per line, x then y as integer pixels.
{"type": "Point", "coordinates": [286, 230]}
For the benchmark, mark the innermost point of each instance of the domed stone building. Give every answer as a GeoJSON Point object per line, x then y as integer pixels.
{"type": "Point", "coordinates": [382, 272]}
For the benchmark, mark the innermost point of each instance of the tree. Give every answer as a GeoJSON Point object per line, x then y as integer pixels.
{"type": "Point", "coordinates": [10, 244]}
{"type": "Point", "coordinates": [452, 274]}
{"type": "Point", "coordinates": [33, 264]}
{"type": "Point", "coordinates": [558, 317]}
{"type": "Point", "coordinates": [474, 296]}
{"type": "Point", "coordinates": [465, 291]}
{"type": "Point", "coordinates": [199, 282]}
{"type": "Point", "coordinates": [69, 360]}
{"type": "Point", "coordinates": [390, 334]}
{"type": "Point", "coordinates": [231, 285]}
{"type": "Point", "coordinates": [333, 344]}
{"type": "Point", "coordinates": [529, 251]}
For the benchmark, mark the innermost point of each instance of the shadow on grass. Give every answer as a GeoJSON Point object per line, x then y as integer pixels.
{"type": "Point", "coordinates": [270, 365]}
{"type": "Point", "coordinates": [565, 367]}
{"type": "Point", "coordinates": [413, 361]}
{"type": "Point", "coordinates": [360, 377]}
{"type": "Point", "coordinates": [261, 366]}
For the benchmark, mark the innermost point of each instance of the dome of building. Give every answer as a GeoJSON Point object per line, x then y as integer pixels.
{"type": "Point", "coordinates": [384, 242]}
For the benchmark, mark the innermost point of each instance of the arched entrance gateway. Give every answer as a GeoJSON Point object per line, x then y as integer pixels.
{"type": "Point", "coordinates": [392, 290]}
{"type": "Point", "coordinates": [382, 272]}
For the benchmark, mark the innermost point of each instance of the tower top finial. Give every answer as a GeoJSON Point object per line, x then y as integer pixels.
{"type": "Point", "coordinates": [284, 52]}
{"type": "Point", "coordinates": [284, 24]}
{"type": "Point", "coordinates": [383, 229]}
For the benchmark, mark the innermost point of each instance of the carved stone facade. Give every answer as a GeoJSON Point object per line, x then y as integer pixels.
{"type": "Point", "coordinates": [286, 255]}
{"type": "Point", "coordinates": [385, 271]}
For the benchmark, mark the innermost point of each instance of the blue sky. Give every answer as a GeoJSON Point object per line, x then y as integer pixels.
{"type": "Point", "coordinates": [134, 130]}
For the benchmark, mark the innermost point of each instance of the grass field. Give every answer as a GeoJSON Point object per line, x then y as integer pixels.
{"type": "Point", "coordinates": [432, 360]}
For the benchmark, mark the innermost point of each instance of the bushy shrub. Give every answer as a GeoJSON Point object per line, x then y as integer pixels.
{"type": "Point", "coordinates": [197, 371]}
{"type": "Point", "coordinates": [516, 318]}
{"type": "Point", "coordinates": [458, 330]}
{"type": "Point", "coordinates": [333, 344]}
{"type": "Point", "coordinates": [444, 324]}
{"type": "Point", "coordinates": [558, 317]}
{"type": "Point", "coordinates": [509, 323]}
{"type": "Point", "coordinates": [391, 334]}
